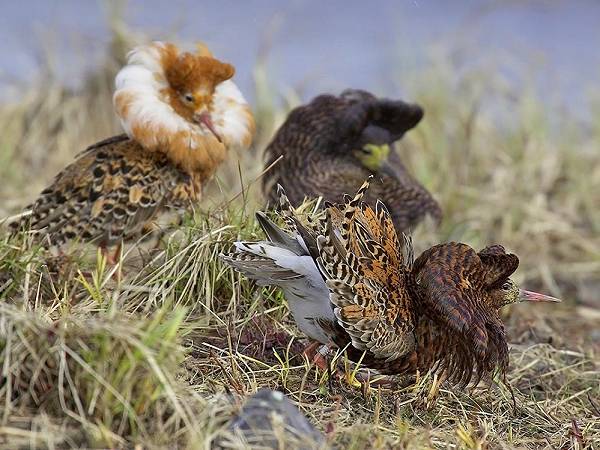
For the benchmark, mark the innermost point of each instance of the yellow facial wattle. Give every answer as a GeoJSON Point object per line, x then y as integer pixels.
{"type": "Point", "coordinates": [372, 156]}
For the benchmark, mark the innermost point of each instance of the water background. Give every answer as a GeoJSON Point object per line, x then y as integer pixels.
{"type": "Point", "coordinates": [316, 46]}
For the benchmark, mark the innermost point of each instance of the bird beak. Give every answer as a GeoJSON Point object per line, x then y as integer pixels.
{"type": "Point", "coordinates": [204, 119]}
{"type": "Point", "coordinates": [530, 296]}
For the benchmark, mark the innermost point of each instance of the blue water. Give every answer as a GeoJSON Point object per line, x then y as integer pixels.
{"type": "Point", "coordinates": [317, 46]}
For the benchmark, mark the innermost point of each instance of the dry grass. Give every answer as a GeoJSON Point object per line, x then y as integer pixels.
{"type": "Point", "coordinates": [165, 355]}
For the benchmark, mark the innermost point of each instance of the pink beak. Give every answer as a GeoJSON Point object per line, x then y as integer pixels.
{"type": "Point", "coordinates": [204, 119]}
{"type": "Point", "coordinates": [530, 296]}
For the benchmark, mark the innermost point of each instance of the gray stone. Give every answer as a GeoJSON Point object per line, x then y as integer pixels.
{"type": "Point", "coordinates": [269, 420]}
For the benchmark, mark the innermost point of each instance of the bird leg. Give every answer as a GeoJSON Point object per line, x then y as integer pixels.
{"type": "Point", "coordinates": [434, 390]}
{"type": "Point", "coordinates": [313, 355]}
{"type": "Point", "coordinates": [310, 349]}
{"type": "Point", "coordinates": [316, 354]}
{"type": "Point", "coordinates": [114, 258]}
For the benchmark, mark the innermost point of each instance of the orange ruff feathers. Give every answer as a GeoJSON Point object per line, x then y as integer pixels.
{"type": "Point", "coordinates": [150, 100]}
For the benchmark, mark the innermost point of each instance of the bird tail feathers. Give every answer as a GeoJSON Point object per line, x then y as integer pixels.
{"type": "Point", "coordinates": [255, 260]}
{"type": "Point", "coordinates": [277, 261]}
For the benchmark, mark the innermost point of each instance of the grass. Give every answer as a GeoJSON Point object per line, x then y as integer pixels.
{"type": "Point", "coordinates": [164, 354]}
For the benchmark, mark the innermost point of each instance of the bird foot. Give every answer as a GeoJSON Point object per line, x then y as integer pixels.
{"type": "Point", "coordinates": [316, 354]}
{"type": "Point", "coordinates": [365, 379]}
{"type": "Point", "coordinates": [320, 358]}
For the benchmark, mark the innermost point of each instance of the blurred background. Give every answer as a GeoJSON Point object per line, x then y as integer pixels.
{"type": "Point", "coordinates": [510, 140]}
{"type": "Point", "coordinates": [314, 46]}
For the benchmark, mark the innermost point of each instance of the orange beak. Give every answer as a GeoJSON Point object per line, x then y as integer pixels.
{"type": "Point", "coordinates": [204, 119]}
{"type": "Point", "coordinates": [530, 296]}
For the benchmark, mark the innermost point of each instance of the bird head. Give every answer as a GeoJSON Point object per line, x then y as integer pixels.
{"type": "Point", "coordinates": [371, 125]}
{"type": "Point", "coordinates": [373, 147]}
{"type": "Point", "coordinates": [182, 104]}
{"type": "Point", "coordinates": [509, 292]}
{"type": "Point", "coordinates": [192, 82]}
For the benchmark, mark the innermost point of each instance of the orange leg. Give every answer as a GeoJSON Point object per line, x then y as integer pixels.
{"type": "Point", "coordinates": [311, 350]}
{"type": "Point", "coordinates": [114, 258]}
{"type": "Point", "coordinates": [316, 353]}
{"type": "Point", "coordinates": [313, 355]}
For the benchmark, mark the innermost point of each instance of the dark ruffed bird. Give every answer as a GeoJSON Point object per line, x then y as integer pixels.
{"type": "Point", "coordinates": [182, 114]}
{"type": "Point", "coordinates": [331, 145]}
{"type": "Point", "coordinates": [350, 280]}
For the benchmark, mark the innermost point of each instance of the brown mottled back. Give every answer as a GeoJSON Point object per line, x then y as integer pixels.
{"type": "Point", "coordinates": [316, 144]}
{"type": "Point", "coordinates": [109, 192]}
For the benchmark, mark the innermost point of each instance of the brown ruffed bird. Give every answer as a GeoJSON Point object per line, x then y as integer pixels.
{"type": "Point", "coordinates": [351, 281]}
{"type": "Point", "coordinates": [331, 145]}
{"type": "Point", "coordinates": [182, 114]}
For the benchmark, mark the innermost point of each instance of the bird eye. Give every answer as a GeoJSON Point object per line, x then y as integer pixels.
{"type": "Point", "coordinates": [506, 286]}
{"type": "Point", "coordinates": [366, 151]}
{"type": "Point", "coordinates": [188, 98]}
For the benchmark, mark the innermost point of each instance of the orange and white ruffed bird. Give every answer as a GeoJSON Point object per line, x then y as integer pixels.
{"type": "Point", "coordinates": [182, 114]}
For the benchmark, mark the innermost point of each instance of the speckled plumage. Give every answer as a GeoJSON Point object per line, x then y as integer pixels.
{"type": "Point", "coordinates": [395, 314]}
{"type": "Point", "coordinates": [317, 145]}
{"type": "Point", "coordinates": [182, 114]}
{"type": "Point", "coordinates": [109, 192]}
